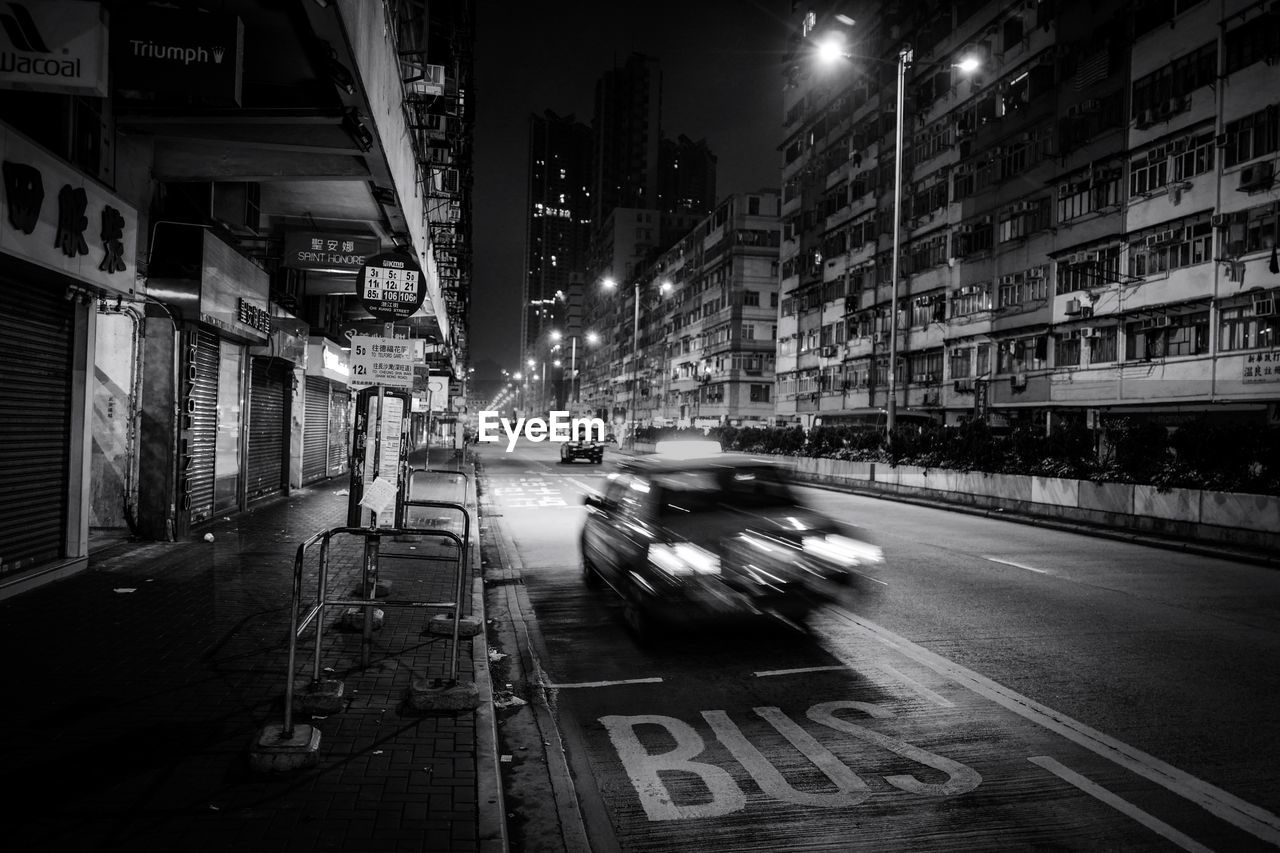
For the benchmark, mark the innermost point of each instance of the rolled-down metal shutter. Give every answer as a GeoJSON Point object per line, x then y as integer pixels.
{"type": "Point", "coordinates": [339, 431]}
{"type": "Point", "coordinates": [35, 423]}
{"type": "Point", "coordinates": [201, 373]}
{"type": "Point", "coordinates": [315, 431]}
{"type": "Point", "coordinates": [267, 435]}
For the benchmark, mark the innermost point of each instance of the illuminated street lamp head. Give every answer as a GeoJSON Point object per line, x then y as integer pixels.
{"type": "Point", "coordinates": [665, 287]}
{"type": "Point", "coordinates": [555, 363]}
{"type": "Point", "coordinates": [608, 283]}
{"type": "Point", "coordinates": [517, 376]}
{"type": "Point", "coordinates": [593, 338]}
{"type": "Point", "coordinates": [831, 48]}
{"type": "Point", "coordinates": [555, 335]}
{"type": "Point", "coordinates": [969, 64]}
{"type": "Point", "coordinates": [531, 363]}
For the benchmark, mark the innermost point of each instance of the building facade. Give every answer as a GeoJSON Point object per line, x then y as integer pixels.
{"type": "Point", "coordinates": [180, 244]}
{"type": "Point", "coordinates": [1086, 216]}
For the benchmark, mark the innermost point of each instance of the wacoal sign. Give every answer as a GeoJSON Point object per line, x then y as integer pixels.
{"type": "Point", "coordinates": [54, 46]}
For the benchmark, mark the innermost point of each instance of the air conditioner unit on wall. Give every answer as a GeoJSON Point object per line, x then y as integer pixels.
{"type": "Point", "coordinates": [1256, 177]}
{"type": "Point", "coordinates": [1018, 381]}
{"type": "Point", "coordinates": [1073, 307]}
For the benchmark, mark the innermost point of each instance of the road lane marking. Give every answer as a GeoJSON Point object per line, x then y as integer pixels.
{"type": "Point", "coordinates": [925, 692]}
{"type": "Point", "coordinates": [769, 672]}
{"type": "Point", "coordinates": [1016, 565]}
{"type": "Point", "coordinates": [1126, 808]}
{"type": "Point", "coordinates": [1230, 808]}
{"type": "Point", "coordinates": [605, 683]}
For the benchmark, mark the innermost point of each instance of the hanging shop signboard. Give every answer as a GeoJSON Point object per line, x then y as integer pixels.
{"type": "Point", "coordinates": [62, 220]}
{"type": "Point", "coordinates": [328, 251]}
{"type": "Point", "coordinates": [54, 46]}
{"type": "Point", "coordinates": [391, 285]}
{"type": "Point", "coordinates": [176, 54]}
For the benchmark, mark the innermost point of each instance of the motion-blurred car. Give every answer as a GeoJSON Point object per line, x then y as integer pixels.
{"type": "Point", "coordinates": [685, 536]}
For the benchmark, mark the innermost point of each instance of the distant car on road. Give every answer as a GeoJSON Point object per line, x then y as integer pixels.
{"type": "Point", "coordinates": [583, 446]}
{"type": "Point", "coordinates": [689, 537]}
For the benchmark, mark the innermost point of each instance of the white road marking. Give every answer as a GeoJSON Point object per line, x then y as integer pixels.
{"type": "Point", "coordinates": [1126, 808]}
{"type": "Point", "coordinates": [768, 672]}
{"type": "Point", "coordinates": [925, 692]}
{"type": "Point", "coordinates": [605, 683]}
{"type": "Point", "coordinates": [1244, 815]}
{"type": "Point", "coordinates": [1016, 565]}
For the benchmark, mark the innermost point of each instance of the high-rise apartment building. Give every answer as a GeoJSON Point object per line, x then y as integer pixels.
{"type": "Point", "coordinates": [686, 176]}
{"type": "Point", "coordinates": [628, 129]}
{"type": "Point", "coordinates": [1087, 221]}
{"type": "Point", "coordinates": [558, 229]}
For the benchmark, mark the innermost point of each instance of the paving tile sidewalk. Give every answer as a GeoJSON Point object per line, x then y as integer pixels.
{"type": "Point", "coordinates": [137, 686]}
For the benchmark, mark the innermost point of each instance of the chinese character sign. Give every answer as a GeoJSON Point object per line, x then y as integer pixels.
{"type": "Point", "coordinates": [391, 285]}
{"type": "Point", "coordinates": [1261, 367]}
{"type": "Point", "coordinates": [381, 361]}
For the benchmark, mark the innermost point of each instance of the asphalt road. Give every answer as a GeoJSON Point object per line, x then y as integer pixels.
{"type": "Point", "coordinates": [1009, 687]}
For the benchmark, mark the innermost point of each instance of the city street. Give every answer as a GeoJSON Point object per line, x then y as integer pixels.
{"type": "Point", "coordinates": [1009, 687]}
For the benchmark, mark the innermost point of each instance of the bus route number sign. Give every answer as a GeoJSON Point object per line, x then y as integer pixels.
{"type": "Point", "coordinates": [391, 286]}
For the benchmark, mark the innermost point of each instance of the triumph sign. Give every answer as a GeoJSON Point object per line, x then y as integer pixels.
{"type": "Point", "coordinates": [54, 46]}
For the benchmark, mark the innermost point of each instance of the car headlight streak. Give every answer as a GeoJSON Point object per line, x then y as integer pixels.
{"type": "Point", "coordinates": [683, 559]}
{"type": "Point", "coordinates": [842, 549]}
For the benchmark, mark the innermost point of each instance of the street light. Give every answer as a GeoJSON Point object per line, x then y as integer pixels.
{"type": "Point", "coordinates": [663, 289]}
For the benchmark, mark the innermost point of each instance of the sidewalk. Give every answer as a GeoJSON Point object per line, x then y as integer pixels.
{"type": "Point", "coordinates": [138, 686]}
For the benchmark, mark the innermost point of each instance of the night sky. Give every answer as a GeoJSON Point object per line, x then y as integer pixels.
{"type": "Point", "coordinates": [721, 81]}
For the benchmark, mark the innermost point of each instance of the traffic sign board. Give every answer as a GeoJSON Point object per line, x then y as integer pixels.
{"type": "Point", "coordinates": [381, 361]}
{"type": "Point", "coordinates": [391, 285]}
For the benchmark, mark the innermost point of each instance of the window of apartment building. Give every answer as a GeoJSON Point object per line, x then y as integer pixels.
{"type": "Point", "coordinates": [927, 253]}
{"type": "Point", "coordinates": [773, 300]}
{"type": "Point", "coordinates": [973, 238]}
{"type": "Point", "coordinates": [1102, 345]}
{"type": "Point", "coordinates": [1252, 136]}
{"type": "Point", "coordinates": [1171, 246]}
{"type": "Point", "coordinates": [1089, 192]}
{"type": "Point", "coordinates": [1167, 336]}
{"type": "Point", "coordinates": [1021, 354]}
{"type": "Point", "coordinates": [1149, 14]}
{"type": "Point", "coordinates": [933, 140]}
{"type": "Point", "coordinates": [925, 366]}
{"type": "Point", "coordinates": [751, 298]}
{"type": "Point", "coordinates": [748, 331]}
{"type": "Point", "coordinates": [1023, 219]}
{"type": "Point", "coordinates": [1252, 326]}
{"type": "Point", "coordinates": [1066, 350]}
{"type": "Point", "coordinates": [931, 194]}
{"type": "Point", "coordinates": [1255, 40]}
{"type": "Point", "coordinates": [760, 393]}
{"type": "Point", "coordinates": [1023, 287]}
{"type": "Point", "coordinates": [960, 362]}
{"type": "Point", "coordinates": [811, 338]}
{"type": "Point", "coordinates": [1087, 270]}
{"type": "Point", "coordinates": [982, 360]}
{"type": "Point", "coordinates": [971, 299]}
{"type": "Point", "coordinates": [1178, 160]}
{"type": "Point", "coordinates": [1189, 72]}
{"type": "Point", "coordinates": [928, 308]}
{"type": "Point", "coordinates": [788, 308]}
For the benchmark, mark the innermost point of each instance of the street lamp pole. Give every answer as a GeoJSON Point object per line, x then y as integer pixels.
{"type": "Point", "coordinates": [635, 366]}
{"type": "Point", "coordinates": [904, 57]}
{"type": "Point", "coordinates": [573, 369]}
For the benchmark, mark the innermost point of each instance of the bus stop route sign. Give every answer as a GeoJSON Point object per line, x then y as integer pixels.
{"type": "Point", "coordinates": [391, 286]}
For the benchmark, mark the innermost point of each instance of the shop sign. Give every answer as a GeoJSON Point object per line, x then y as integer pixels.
{"type": "Point", "coordinates": [325, 358]}
{"type": "Point", "coordinates": [328, 251]}
{"type": "Point", "coordinates": [169, 52]}
{"type": "Point", "coordinates": [62, 220]}
{"type": "Point", "coordinates": [381, 361]}
{"type": "Point", "coordinates": [1261, 367]}
{"type": "Point", "coordinates": [391, 285]}
{"type": "Point", "coordinates": [54, 46]}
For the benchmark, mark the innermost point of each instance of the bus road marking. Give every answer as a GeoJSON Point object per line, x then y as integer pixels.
{"type": "Point", "coordinates": [1126, 808]}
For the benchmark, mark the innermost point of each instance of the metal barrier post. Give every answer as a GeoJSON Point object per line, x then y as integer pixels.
{"type": "Point", "coordinates": [369, 579]}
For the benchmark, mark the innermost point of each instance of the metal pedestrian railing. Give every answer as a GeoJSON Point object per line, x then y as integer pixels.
{"type": "Point", "coordinates": [300, 622]}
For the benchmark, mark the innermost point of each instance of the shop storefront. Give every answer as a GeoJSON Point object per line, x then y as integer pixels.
{"type": "Point", "coordinates": [327, 420]}
{"type": "Point", "coordinates": [205, 459]}
{"type": "Point", "coordinates": [67, 245]}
